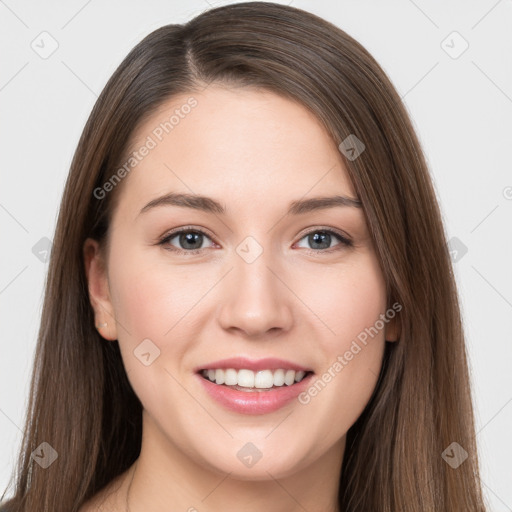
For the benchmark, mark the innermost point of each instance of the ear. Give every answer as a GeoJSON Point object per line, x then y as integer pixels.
{"type": "Point", "coordinates": [99, 291]}
{"type": "Point", "coordinates": [393, 329]}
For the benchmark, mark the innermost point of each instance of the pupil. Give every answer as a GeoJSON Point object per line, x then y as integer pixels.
{"type": "Point", "coordinates": [188, 238]}
{"type": "Point", "coordinates": [317, 238]}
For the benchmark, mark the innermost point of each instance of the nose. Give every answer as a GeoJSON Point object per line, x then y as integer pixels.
{"type": "Point", "coordinates": [254, 300]}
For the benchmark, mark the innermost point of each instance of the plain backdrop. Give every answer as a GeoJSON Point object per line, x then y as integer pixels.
{"type": "Point", "coordinates": [450, 61]}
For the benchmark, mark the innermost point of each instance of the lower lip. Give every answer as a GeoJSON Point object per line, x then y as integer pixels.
{"type": "Point", "coordinates": [254, 402]}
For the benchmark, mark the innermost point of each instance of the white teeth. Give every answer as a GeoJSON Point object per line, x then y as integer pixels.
{"type": "Point", "coordinates": [263, 379]}
{"type": "Point", "coordinates": [299, 375]}
{"type": "Point", "coordinates": [278, 377]}
{"type": "Point", "coordinates": [246, 378]}
{"type": "Point", "coordinates": [289, 377]}
{"type": "Point", "coordinates": [230, 377]}
{"type": "Point", "coordinates": [219, 377]}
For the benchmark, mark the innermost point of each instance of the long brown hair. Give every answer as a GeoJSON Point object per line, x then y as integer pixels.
{"type": "Point", "coordinates": [81, 402]}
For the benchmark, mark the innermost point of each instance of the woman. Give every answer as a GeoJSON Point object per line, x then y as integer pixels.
{"type": "Point", "coordinates": [305, 352]}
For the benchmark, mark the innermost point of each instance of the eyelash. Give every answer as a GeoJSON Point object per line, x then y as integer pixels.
{"type": "Point", "coordinates": [344, 241]}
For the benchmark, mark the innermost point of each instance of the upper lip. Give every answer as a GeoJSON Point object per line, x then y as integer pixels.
{"type": "Point", "coordinates": [267, 363]}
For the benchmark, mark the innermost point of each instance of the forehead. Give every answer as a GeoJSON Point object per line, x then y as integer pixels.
{"type": "Point", "coordinates": [238, 144]}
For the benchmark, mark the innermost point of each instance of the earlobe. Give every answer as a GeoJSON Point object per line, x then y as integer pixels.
{"type": "Point", "coordinates": [99, 291]}
{"type": "Point", "coordinates": [393, 330]}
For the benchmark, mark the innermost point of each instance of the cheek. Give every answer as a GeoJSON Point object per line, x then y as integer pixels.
{"type": "Point", "coordinates": [347, 299]}
{"type": "Point", "coordinates": [162, 302]}
{"type": "Point", "coordinates": [143, 304]}
{"type": "Point", "coordinates": [353, 355]}
{"type": "Point", "coordinates": [149, 295]}
{"type": "Point", "coordinates": [151, 303]}
{"type": "Point", "coordinates": [349, 304]}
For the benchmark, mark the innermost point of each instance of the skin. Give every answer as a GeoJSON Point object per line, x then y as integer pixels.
{"type": "Point", "coordinates": [254, 152]}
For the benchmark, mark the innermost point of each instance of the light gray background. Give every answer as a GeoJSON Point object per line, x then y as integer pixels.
{"type": "Point", "coordinates": [461, 108]}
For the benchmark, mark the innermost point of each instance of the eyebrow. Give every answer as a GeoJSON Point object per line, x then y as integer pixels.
{"type": "Point", "coordinates": [209, 205]}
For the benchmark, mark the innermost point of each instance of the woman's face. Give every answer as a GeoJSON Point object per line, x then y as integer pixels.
{"type": "Point", "coordinates": [252, 281]}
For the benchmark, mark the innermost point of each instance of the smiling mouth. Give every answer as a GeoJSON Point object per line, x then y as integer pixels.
{"type": "Point", "coordinates": [254, 381]}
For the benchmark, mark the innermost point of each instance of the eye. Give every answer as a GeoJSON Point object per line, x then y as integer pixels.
{"type": "Point", "coordinates": [321, 239]}
{"type": "Point", "coordinates": [190, 241]}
